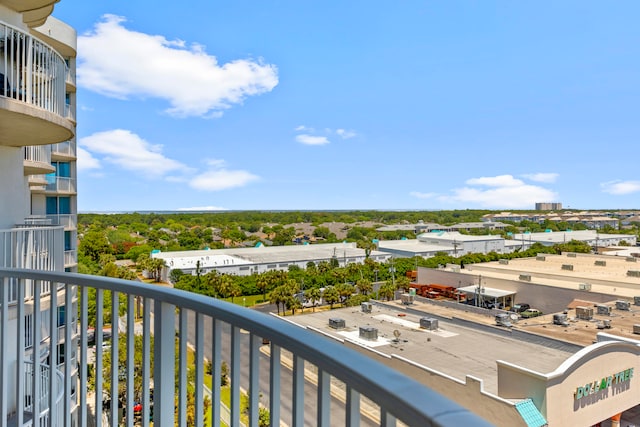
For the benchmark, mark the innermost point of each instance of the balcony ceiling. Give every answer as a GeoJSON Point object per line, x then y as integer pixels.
{"type": "Point", "coordinates": [36, 17]}
{"type": "Point", "coordinates": [23, 125]}
{"type": "Point", "coordinates": [26, 5]}
{"type": "Point", "coordinates": [37, 168]}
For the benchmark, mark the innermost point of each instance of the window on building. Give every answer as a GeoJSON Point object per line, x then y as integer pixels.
{"type": "Point", "coordinates": [58, 205]}
{"type": "Point", "coordinates": [67, 241]}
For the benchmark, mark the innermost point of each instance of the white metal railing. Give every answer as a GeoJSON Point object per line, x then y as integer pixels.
{"type": "Point", "coordinates": [70, 257]}
{"type": "Point", "coordinates": [69, 112]}
{"type": "Point", "coordinates": [62, 185]}
{"type": "Point", "coordinates": [172, 318]}
{"type": "Point", "coordinates": [66, 220]}
{"type": "Point", "coordinates": [37, 220]}
{"type": "Point", "coordinates": [65, 148]}
{"type": "Point", "coordinates": [32, 246]}
{"type": "Point", "coordinates": [39, 153]}
{"type": "Point", "coordinates": [70, 76]}
{"type": "Point", "coordinates": [31, 71]}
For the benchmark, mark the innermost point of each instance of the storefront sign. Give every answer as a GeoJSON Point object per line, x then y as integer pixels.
{"type": "Point", "coordinates": [603, 384]}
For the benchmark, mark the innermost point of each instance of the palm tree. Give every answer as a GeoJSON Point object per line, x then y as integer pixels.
{"type": "Point", "coordinates": [314, 296]}
{"type": "Point", "coordinates": [364, 286]}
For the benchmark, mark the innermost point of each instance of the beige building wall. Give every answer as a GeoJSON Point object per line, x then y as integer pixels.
{"type": "Point", "coordinates": [549, 299]}
{"type": "Point", "coordinates": [595, 384]}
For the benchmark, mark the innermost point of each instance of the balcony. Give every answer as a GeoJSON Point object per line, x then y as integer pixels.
{"type": "Point", "coordinates": [63, 151]}
{"type": "Point", "coordinates": [347, 387]}
{"type": "Point", "coordinates": [63, 185]}
{"type": "Point", "coordinates": [32, 246]}
{"type": "Point", "coordinates": [37, 160]}
{"type": "Point", "coordinates": [47, 381]}
{"type": "Point", "coordinates": [68, 221]}
{"type": "Point", "coordinates": [32, 91]}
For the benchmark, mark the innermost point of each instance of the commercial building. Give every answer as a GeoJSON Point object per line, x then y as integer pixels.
{"type": "Point", "coordinates": [590, 237]}
{"type": "Point", "coordinates": [450, 242]}
{"type": "Point", "coordinates": [510, 376]}
{"type": "Point", "coordinates": [456, 244]}
{"type": "Point", "coordinates": [37, 211]}
{"type": "Point", "coordinates": [247, 261]}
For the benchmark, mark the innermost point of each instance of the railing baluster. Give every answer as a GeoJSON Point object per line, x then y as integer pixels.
{"type": "Point", "coordinates": [353, 408]}
{"type": "Point", "coordinates": [254, 380]}
{"type": "Point", "coordinates": [131, 347]}
{"type": "Point", "coordinates": [164, 355]}
{"type": "Point", "coordinates": [324, 399]}
{"type": "Point", "coordinates": [97, 334]}
{"type": "Point", "coordinates": [53, 352]}
{"type": "Point", "coordinates": [37, 338]}
{"type": "Point", "coordinates": [386, 419]}
{"type": "Point", "coordinates": [115, 359]}
{"type": "Point", "coordinates": [69, 315]}
{"type": "Point", "coordinates": [146, 362]}
{"type": "Point", "coordinates": [235, 376]}
{"type": "Point", "coordinates": [84, 363]}
{"type": "Point", "coordinates": [182, 373]}
{"type": "Point", "coordinates": [20, 389]}
{"type": "Point", "coordinates": [216, 359]}
{"type": "Point", "coordinates": [298, 391]}
{"type": "Point", "coordinates": [4, 345]}
{"type": "Point", "coordinates": [199, 365]}
{"type": "Point", "coordinates": [274, 385]}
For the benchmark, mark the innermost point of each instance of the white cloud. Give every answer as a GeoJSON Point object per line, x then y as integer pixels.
{"type": "Point", "coordinates": [496, 181]}
{"type": "Point", "coordinates": [118, 62]}
{"type": "Point", "coordinates": [312, 140]}
{"type": "Point", "coordinates": [127, 150]}
{"type": "Point", "coordinates": [303, 128]}
{"type": "Point", "coordinates": [618, 188]}
{"type": "Point", "coordinates": [420, 195]}
{"type": "Point", "coordinates": [346, 134]}
{"type": "Point", "coordinates": [505, 192]}
{"type": "Point", "coordinates": [86, 161]}
{"type": "Point", "coordinates": [542, 177]}
{"type": "Point", "coordinates": [203, 208]}
{"type": "Point", "coordinates": [222, 179]}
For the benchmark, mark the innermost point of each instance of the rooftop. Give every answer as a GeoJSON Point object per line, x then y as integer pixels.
{"type": "Point", "coordinates": [449, 350]}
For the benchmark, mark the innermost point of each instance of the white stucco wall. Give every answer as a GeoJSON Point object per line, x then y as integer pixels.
{"type": "Point", "coordinates": [15, 203]}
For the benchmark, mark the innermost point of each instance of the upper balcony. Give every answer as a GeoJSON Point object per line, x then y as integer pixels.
{"type": "Point", "coordinates": [33, 76]}
{"type": "Point", "coordinates": [63, 151]}
{"type": "Point", "coordinates": [34, 12]}
{"type": "Point", "coordinates": [37, 160]}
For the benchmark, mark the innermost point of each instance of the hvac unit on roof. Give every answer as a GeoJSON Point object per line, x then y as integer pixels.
{"type": "Point", "coordinates": [368, 333]}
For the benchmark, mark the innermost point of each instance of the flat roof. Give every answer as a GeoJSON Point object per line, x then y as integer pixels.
{"type": "Point", "coordinates": [453, 350]}
{"type": "Point", "coordinates": [264, 255]}
{"type": "Point", "coordinates": [455, 235]}
{"type": "Point", "coordinates": [413, 245]}
{"type": "Point", "coordinates": [567, 236]}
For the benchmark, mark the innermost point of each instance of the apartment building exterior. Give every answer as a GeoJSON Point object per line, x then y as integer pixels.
{"type": "Point", "coordinates": [38, 209]}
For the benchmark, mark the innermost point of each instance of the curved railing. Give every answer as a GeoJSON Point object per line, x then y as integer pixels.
{"type": "Point", "coordinates": [31, 71]}
{"type": "Point", "coordinates": [233, 334]}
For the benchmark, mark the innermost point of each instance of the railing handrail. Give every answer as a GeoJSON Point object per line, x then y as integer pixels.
{"type": "Point", "coordinates": [405, 398]}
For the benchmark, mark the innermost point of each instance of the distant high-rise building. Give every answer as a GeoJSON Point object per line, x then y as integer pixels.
{"type": "Point", "coordinates": [546, 206]}
{"type": "Point", "coordinates": [37, 196]}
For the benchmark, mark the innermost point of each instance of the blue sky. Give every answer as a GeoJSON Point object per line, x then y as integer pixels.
{"type": "Point", "coordinates": [356, 105]}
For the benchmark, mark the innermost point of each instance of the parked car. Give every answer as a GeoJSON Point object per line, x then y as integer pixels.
{"type": "Point", "coordinates": [519, 308]}
{"type": "Point", "coordinates": [530, 312]}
